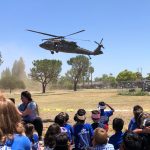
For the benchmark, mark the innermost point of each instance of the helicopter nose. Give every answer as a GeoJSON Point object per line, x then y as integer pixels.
{"type": "Point", "coordinates": [41, 45]}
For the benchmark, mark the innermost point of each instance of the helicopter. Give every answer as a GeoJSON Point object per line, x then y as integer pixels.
{"type": "Point", "coordinates": [59, 44]}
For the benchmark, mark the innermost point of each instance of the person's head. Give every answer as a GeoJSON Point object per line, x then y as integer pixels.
{"type": "Point", "coordinates": [12, 99]}
{"type": "Point", "coordinates": [118, 124]}
{"type": "Point", "coordinates": [95, 116]}
{"type": "Point", "coordinates": [29, 129]}
{"type": "Point", "coordinates": [49, 139]}
{"type": "Point", "coordinates": [62, 142]}
{"type": "Point", "coordinates": [137, 110]}
{"type": "Point", "coordinates": [65, 115]}
{"type": "Point", "coordinates": [26, 97]}
{"type": "Point", "coordinates": [9, 116]}
{"type": "Point", "coordinates": [101, 105]}
{"type": "Point", "coordinates": [143, 120]}
{"type": "Point", "coordinates": [131, 141]}
{"type": "Point", "coordinates": [81, 116]}
{"type": "Point", "coordinates": [100, 136]}
{"type": "Point", "coordinates": [60, 119]}
{"type": "Point", "coordinates": [20, 128]}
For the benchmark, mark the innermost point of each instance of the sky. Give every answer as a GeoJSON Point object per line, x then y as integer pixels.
{"type": "Point", "coordinates": [123, 24]}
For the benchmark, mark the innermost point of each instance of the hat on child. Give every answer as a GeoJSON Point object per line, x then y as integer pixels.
{"type": "Point", "coordinates": [102, 105]}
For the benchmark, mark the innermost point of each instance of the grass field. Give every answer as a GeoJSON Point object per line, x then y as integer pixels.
{"type": "Point", "coordinates": [53, 102]}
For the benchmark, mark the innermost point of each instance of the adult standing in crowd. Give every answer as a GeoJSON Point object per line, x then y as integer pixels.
{"type": "Point", "coordinates": [30, 113]}
{"type": "Point", "coordinates": [9, 119]}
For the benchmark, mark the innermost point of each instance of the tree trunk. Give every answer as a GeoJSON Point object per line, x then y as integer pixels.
{"type": "Point", "coordinates": [75, 86]}
{"type": "Point", "coordinates": [91, 79]}
{"type": "Point", "coordinates": [43, 88]}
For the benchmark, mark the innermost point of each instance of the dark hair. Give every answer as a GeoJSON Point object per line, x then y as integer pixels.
{"type": "Point", "coordinates": [27, 95]}
{"type": "Point", "coordinates": [29, 129]}
{"type": "Point", "coordinates": [60, 119]}
{"type": "Point", "coordinates": [52, 131]}
{"type": "Point", "coordinates": [75, 118]}
{"type": "Point", "coordinates": [118, 124]}
{"type": "Point", "coordinates": [12, 99]}
{"type": "Point", "coordinates": [132, 141]}
{"type": "Point", "coordinates": [102, 103]}
{"type": "Point", "coordinates": [142, 118]}
{"type": "Point", "coordinates": [65, 115]}
{"type": "Point", "coordinates": [137, 110]}
{"type": "Point", "coordinates": [95, 112]}
{"type": "Point", "coordinates": [80, 112]}
{"type": "Point", "coordinates": [61, 142]}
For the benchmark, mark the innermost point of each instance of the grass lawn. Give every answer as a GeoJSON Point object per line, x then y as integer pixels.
{"type": "Point", "coordinates": [53, 102]}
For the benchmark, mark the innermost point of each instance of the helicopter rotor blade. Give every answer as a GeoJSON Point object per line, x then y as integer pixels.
{"type": "Point", "coordinates": [101, 41]}
{"type": "Point", "coordinates": [80, 39]}
{"type": "Point", "coordinates": [44, 33]}
{"type": "Point", "coordinates": [74, 33]}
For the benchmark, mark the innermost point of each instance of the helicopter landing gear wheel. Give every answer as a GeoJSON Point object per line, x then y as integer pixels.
{"type": "Point", "coordinates": [52, 52]}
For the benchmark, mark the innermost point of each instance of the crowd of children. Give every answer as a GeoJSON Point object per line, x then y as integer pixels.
{"type": "Point", "coordinates": [20, 135]}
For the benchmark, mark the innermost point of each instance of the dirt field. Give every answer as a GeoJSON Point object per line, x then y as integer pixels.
{"type": "Point", "coordinates": [53, 102]}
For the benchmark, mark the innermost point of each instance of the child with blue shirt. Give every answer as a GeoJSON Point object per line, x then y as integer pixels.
{"type": "Point", "coordinates": [137, 110]}
{"type": "Point", "coordinates": [104, 119]}
{"type": "Point", "coordinates": [116, 139]}
{"type": "Point", "coordinates": [83, 132]}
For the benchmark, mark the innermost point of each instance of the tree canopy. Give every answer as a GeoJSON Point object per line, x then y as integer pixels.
{"type": "Point", "coordinates": [79, 67]}
{"type": "Point", "coordinates": [45, 71]}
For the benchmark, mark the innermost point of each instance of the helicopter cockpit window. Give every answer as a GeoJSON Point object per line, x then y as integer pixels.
{"type": "Point", "coordinates": [48, 42]}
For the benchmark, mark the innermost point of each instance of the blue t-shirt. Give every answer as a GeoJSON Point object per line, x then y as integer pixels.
{"type": "Point", "coordinates": [70, 131]}
{"type": "Point", "coordinates": [116, 139]}
{"type": "Point", "coordinates": [83, 134]}
{"type": "Point", "coordinates": [132, 125]}
{"type": "Point", "coordinates": [104, 147]}
{"type": "Point", "coordinates": [104, 119]}
{"type": "Point", "coordinates": [33, 107]}
{"type": "Point", "coordinates": [20, 142]}
{"type": "Point", "coordinates": [34, 141]}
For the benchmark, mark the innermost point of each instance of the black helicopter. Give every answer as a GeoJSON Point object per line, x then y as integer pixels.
{"type": "Point", "coordinates": [59, 44]}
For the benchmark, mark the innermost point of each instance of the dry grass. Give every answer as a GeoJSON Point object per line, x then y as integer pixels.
{"type": "Point", "coordinates": [53, 102]}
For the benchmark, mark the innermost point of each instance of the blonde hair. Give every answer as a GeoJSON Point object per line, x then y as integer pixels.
{"type": "Point", "coordinates": [9, 116]}
{"type": "Point", "coordinates": [100, 136]}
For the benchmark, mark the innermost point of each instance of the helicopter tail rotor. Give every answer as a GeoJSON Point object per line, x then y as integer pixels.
{"type": "Point", "coordinates": [100, 44]}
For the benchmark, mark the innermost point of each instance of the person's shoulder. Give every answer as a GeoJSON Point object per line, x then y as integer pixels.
{"type": "Point", "coordinates": [109, 146]}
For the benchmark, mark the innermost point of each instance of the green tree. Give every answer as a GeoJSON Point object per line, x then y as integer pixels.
{"type": "Point", "coordinates": [126, 76]}
{"type": "Point", "coordinates": [10, 82]}
{"type": "Point", "coordinates": [45, 71]}
{"type": "Point", "coordinates": [1, 61]}
{"type": "Point", "coordinates": [148, 76]}
{"type": "Point", "coordinates": [79, 67]}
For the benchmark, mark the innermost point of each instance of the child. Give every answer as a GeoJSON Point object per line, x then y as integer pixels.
{"type": "Point", "coordinates": [116, 139]}
{"type": "Point", "coordinates": [100, 140]}
{"type": "Point", "coordinates": [62, 142]}
{"type": "Point", "coordinates": [33, 137]}
{"type": "Point", "coordinates": [66, 124]}
{"type": "Point", "coordinates": [61, 120]}
{"type": "Point", "coordinates": [105, 114]}
{"type": "Point", "coordinates": [131, 141]}
{"type": "Point", "coordinates": [137, 110]}
{"type": "Point", "coordinates": [50, 136]}
{"type": "Point", "coordinates": [83, 132]}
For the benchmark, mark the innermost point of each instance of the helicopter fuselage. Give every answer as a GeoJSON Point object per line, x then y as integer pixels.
{"type": "Point", "coordinates": [68, 47]}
